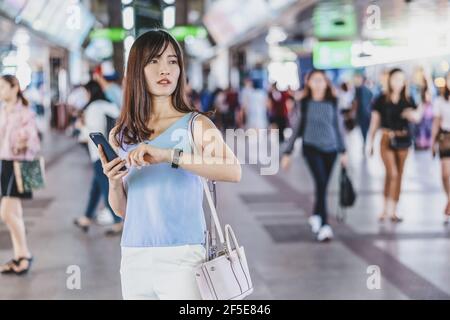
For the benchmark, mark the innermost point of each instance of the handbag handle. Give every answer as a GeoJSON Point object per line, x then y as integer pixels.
{"type": "Point", "coordinates": [229, 232]}
{"type": "Point", "coordinates": [205, 184]}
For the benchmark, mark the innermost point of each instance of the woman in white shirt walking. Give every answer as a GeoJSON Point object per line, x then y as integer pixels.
{"type": "Point", "coordinates": [95, 113]}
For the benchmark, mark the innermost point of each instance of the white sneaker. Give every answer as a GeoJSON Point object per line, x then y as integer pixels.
{"type": "Point", "coordinates": [325, 233]}
{"type": "Point", "coordinates": [104, 217]}
{"type": "Point", "coordinates": [315, 222]}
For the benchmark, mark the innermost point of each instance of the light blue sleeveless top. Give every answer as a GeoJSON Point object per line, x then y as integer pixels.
{"type": "Point", "coordinates": [164, 205]}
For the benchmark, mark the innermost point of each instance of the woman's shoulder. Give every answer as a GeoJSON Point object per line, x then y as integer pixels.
{"type": "Point", "coordinates": [441, 102]}
{"type": "Point", "coordinates": [26, 113]}
{"type": "Point", "coordinates": [381, 98]}
{"type": "Point", "coordinates": [201, 118]}
{"type": "Point", "coordinates": [379, 102]}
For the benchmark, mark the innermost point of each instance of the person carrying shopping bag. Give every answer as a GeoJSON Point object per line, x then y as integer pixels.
{"type": "Point", "coordinates": [19, 141]}
{"type": "Point", "coordinates": [322, 132]}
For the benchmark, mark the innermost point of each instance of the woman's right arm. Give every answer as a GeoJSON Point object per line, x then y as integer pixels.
{"type": "Point", "coordinates": [117, 196]}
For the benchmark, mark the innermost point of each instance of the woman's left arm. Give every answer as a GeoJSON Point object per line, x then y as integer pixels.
{"type": "Point", "coordinates": [340, 131]}
{"type": "Point", "coordinates": [216, 161]}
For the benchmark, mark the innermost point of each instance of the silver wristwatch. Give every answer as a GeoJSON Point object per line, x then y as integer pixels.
{"type": "Point", "coordinates": [176, 157]}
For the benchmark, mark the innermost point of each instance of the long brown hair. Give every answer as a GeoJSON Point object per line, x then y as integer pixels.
{"type": "Point", "coordinates": [132, 125]}
{"type": "Point", "coordinates": [329, 95]}
{"type": "Point", "coordinates": [13, 82]}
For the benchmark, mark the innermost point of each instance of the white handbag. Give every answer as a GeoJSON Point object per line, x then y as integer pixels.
{"type": "Point", "coordinates": [224, 275]}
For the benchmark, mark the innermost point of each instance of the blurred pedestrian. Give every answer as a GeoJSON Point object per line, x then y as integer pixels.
{"type": "Point", "coordinates": [193, 96]}
{"type": "Point", "coordinates": [440, 140]}
{"type": "Point", "coordinates": [206, 99]}
{"type": "Point", "coordinates": [107, 77]}
{"type": "Point", "coordinates": [393, 112]}
{"type": "Point", "coordinates": [19, 140]}
{"type": "Point", "coordinates": [362, 105]}
{"type": "Point", "coordinates": [321, 129]}
{"type": "Point", "coordinates": [233, 108]}
{"type": "Point", "coordinates": [254, 106]}
{"type": "Point", "coordinates": [220, 108]}
{"type": "Point", "coordinates": [94, 120]}
{"type": "Point", "coordinates": [423, 130]}
{"type": "Point", "coordinates": [278, 113]}
{"type": "Point", "coordinates": [345, 98]}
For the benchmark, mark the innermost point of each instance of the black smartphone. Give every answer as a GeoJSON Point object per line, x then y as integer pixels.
{"type": "Point", "coordinates": [99, 139]}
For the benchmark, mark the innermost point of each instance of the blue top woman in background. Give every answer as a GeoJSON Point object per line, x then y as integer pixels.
{"type": "Point", "coordinates": [160, 195]}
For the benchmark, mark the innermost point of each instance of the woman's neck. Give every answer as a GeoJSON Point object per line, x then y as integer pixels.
{"type": "Point", "coordinates": [395, 97]}
{"type": "Point", "coordinates": [317, 96]}
{"type": "Point", "coordinates": [10, 105]}
{"type": "Point", "coordinates": [162, 107]}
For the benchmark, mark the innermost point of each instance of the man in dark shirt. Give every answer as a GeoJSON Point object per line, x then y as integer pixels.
{"type": "Point", "coordinates": [362, 105]}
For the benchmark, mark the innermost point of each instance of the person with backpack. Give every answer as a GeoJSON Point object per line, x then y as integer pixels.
{"type": "Point", "coordinates": [321, 129]}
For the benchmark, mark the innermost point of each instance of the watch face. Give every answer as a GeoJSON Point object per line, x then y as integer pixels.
{"type": "Point", "coordinates": [176, 157]}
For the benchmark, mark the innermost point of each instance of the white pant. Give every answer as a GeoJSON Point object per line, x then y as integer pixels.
{"type": "Point", "coordinates": [165, 273]}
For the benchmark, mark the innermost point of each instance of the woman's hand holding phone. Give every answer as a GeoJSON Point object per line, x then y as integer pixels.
{"type": "Point", "coordinates": [112, 169]}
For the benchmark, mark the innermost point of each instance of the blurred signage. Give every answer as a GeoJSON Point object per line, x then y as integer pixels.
{"type": "Point", "coordinates": [332, 54]}
{"type": "Point", "coordinates": [66, 23]}
{"type": "Point", "coordinates": [334, 21]}
{"type": "Point", "coordinates": [181, 32]}
{"type": "Point", "coordinates": [12, 7]}
{"type": "Point", "coordinates": [113, 34]}
{"type": "Point", "coordinates": [227, 19]}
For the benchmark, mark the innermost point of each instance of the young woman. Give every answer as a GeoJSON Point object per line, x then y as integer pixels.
{"type": "Point", "coordinates": [160, 195]}
{"type": "Point", "coordinates": [19, 140]}
{"type": "Point", "coordinates": [321, 127]}
{"type": "Point", "coordinates": [393, 111]}
{"type": "Point", "coordinates": [441, 133]}
{"type": "Point", "coordinates": [95, 120]}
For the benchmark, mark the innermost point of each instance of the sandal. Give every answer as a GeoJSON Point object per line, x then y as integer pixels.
{"type": "Point", "coordinates": [8, 268]}
{"type": "Point", "coordinates": [396, 218]}
{"type": "Point", "coordinates": [447, 215]}
{"type": "Point", "coordinates": [82, 226]}
{"type": "Point", "coordinates": [115, 230]}
{"type": "Point", "coordinates": [381, 217]}
{"type": "Point", "coordinates": [23, 271]}
{"type": "Point", "coordinates": [447, 209]}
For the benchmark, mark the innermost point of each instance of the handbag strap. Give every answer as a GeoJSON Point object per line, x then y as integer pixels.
{"type": "Point", "coordinates": [214, 216]}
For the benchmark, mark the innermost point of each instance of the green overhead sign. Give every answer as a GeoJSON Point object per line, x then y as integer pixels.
{"type": "Point", "coordinates": [181, 32]}
{"type": "Point", "coordinates": [113, 34]}
{"type": "Point", "coordinates": [333, 21]}
{"type": "Point", "coordinates": [332, 54]}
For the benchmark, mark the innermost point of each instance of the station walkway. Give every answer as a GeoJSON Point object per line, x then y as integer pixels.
{"type": "Point", "coordinates": [269, 215]}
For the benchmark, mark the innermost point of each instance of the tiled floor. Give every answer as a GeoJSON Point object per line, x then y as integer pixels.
{"type": "Point", "coordinates": [269, 215]}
